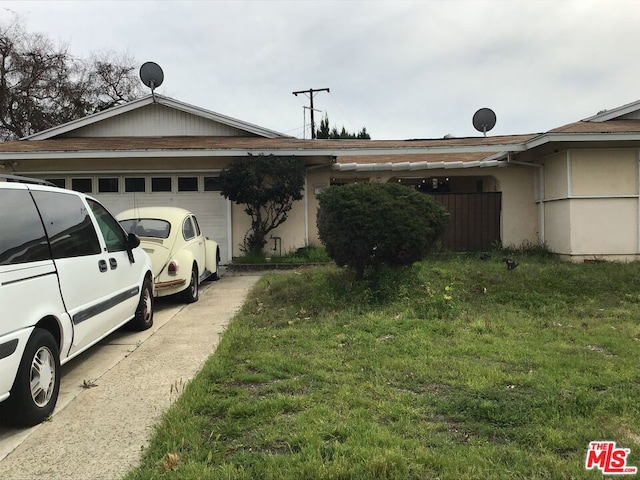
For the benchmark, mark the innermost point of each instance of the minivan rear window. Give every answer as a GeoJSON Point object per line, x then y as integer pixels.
{"type": "Point", "coordinates": [22, 236]}
{"type": "Point", "coordinates": [147, 227]}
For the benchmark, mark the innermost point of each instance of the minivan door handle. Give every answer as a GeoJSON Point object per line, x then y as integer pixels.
{"type": "Point", "coordinates": [113, 263]}
{"type": "Point", "coordinates": [102, 265]}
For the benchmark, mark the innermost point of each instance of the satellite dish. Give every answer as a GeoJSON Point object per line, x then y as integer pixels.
{"type": "Point", "coordinates": [151, 75]}
{"type": "Point", "coordinates": [484, 120]}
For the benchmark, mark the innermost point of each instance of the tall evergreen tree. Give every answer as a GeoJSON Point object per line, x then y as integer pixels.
{"type": "Point", "coordinates": [324, 131]}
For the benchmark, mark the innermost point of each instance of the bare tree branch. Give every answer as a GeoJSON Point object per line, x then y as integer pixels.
{"type": "Point", "coordinates": [42, 85]}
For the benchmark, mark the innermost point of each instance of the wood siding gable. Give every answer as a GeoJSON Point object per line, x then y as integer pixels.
{"type": "Point", "coordinates": [157, 120]}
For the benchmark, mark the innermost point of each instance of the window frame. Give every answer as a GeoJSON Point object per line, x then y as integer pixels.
{"type": "Point", "coordinates": [144, 184]}
{"type": "Point", "coordinates": [117, 179]}
{"type": "Point", "coordinates": [197, 179]}
{"type": "Point", "coordinates": [186, 221]}
{"type": "Point", "coordinates": [90, 179]}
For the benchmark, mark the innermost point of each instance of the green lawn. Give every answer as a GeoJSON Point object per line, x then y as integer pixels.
{"type": "Point", "coordinates": [459, 368]}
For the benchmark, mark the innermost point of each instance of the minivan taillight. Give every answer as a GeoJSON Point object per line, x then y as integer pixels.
{"type": "Point", "coordinates": [172, 269]}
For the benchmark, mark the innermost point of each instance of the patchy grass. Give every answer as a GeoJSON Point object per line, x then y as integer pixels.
{"type": "Point", "coordinates": [455, 369]}
{"type": "Point", "coordinates": [301, 255]}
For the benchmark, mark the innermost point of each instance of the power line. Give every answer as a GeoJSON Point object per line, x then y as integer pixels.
{"type": "Point", "coordinates": [310, 93]}
{"type": "Point", "coordinates": [344, 114]}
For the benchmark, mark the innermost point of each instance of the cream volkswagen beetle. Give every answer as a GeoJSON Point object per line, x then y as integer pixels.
{"type": "Point", "coordinates": [182, 257]}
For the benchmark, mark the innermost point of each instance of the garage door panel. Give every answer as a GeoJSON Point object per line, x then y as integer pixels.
{"type": "Point", "coordinates": [209, 207]}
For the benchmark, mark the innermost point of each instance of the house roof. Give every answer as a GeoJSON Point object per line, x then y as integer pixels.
{"type": "Point", "coordinates": [619, 124]}
{"type": "Point", "coordinates": [149, 100]}
{"type": "Point", "coordinates": [120, 144]}
{"type": "Point", "coordinates": [342, 155]}
{"type": "Point", "coordinates": [610, 126]}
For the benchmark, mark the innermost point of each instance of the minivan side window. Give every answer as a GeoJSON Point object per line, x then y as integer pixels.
{"type": "Point", "coordinates": [22, 237]}
{"type": "Point", "coordinates": [68, 224]}
{"type": "Point", "coordinates": [112, 232]}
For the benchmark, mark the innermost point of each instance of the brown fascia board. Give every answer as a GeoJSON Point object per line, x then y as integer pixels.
{"type": "Point", "coordinates": [350, 147]}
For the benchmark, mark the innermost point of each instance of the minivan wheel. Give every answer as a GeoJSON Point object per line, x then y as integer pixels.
{"type": "Point", "coordinates": [144, 313]}
{"type": "Point", "coordinates": [190, 295]}
{"type": "Point", "coordinates": [35, 390]}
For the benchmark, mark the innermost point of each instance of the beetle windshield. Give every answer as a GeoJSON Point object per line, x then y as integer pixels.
{"type": "Point", "coordinates": [147, 227]}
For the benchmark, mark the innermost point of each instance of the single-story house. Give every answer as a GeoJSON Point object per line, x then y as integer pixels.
{"type": "Point", "coordinates": [575, 189]}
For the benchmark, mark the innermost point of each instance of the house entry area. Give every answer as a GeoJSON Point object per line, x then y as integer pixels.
{"type": "Point", "coordinates": [474, 205]}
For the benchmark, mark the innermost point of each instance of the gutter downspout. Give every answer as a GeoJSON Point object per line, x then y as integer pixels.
{"type": "Point", "coordinates": [541, 193]}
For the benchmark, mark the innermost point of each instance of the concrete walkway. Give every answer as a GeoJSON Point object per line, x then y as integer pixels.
{"type": "Point", "coordinates": [111, 397]}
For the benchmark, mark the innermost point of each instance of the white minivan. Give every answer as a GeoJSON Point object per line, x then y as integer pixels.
{"type": "Point", "coordinates": [69, 276]}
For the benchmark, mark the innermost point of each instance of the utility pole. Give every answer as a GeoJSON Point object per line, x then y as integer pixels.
{"type": "Point", "coordinates": [304, 119]}
{"type": "Point", "coordinates": [310, 93]}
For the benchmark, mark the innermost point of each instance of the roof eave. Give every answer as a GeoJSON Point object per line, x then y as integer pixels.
{"type": "Point", "coordinates": [605, 115]}
{"type": "Point", "coordinates": [235, 152]}
{"type": "Point", "coordinates": [90, 119]}
{"type": "Point", "coordinates": [415, 166]}
{"type": "Point", "coordinates": [581, 137]}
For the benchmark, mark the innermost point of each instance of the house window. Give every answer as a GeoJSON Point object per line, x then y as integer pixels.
{"type": "Point", "coordinates": [108, 185]}
{"type": "Point", "coordinates": [161, 184]}
{"type": "Point", "coordinates": [134, 184]}
{"type": "Point", "coordinates": [81, 185]}
{"type": "Point", "coordinates": [187, 184]}
{"type": "Point", "coordinates": [58, 182]}
{"type": "Point", "coordinates": [212, 184]}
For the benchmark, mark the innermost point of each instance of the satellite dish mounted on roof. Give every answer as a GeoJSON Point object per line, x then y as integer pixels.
{"type": "Point", "coordinates": [152, 76]}
{"type": "Point", "coordinates": [484, 120]}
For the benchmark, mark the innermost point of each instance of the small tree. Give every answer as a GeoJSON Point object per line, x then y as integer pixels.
{"type": "Point", "coordinates": [367, 225]}
{"type": "Point", "coordinates": [267, 185]}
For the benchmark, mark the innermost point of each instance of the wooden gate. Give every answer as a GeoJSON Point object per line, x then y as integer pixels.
{"type": "Point", "coordinates": [474, 222]}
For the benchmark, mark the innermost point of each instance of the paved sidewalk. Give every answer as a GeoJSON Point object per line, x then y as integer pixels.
{"type": "Point", "coordinates": [101, 431]}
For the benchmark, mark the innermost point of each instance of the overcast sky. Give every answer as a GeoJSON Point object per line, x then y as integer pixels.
{"type": "Point", "coordinates": [402, 69]}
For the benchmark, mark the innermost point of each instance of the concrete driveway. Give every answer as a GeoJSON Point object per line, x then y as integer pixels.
{"type": "Point", "coordinates": [111, 396]}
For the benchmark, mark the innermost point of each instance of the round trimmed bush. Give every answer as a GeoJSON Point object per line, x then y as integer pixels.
{"type": "Point", "coordinates": [367, 225]}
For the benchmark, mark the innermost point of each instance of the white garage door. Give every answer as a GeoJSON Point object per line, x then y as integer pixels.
{"type": "Point", "coordinates": [198, 193]}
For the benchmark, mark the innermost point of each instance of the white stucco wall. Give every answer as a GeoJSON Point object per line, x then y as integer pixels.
{"type": "Point", "coordinates": [603, 172]}
{"type": "Point", "coordinates": [604, 226]}
{"type": "Point", "coordinates": [591, 207]}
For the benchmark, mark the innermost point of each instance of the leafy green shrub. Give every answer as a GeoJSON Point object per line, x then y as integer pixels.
{"type": "Point", "coordinates": [367, 225]}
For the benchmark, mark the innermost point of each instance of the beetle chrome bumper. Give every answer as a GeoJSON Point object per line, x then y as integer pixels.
{"type": "Point", "coordinates": [170, 284]}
